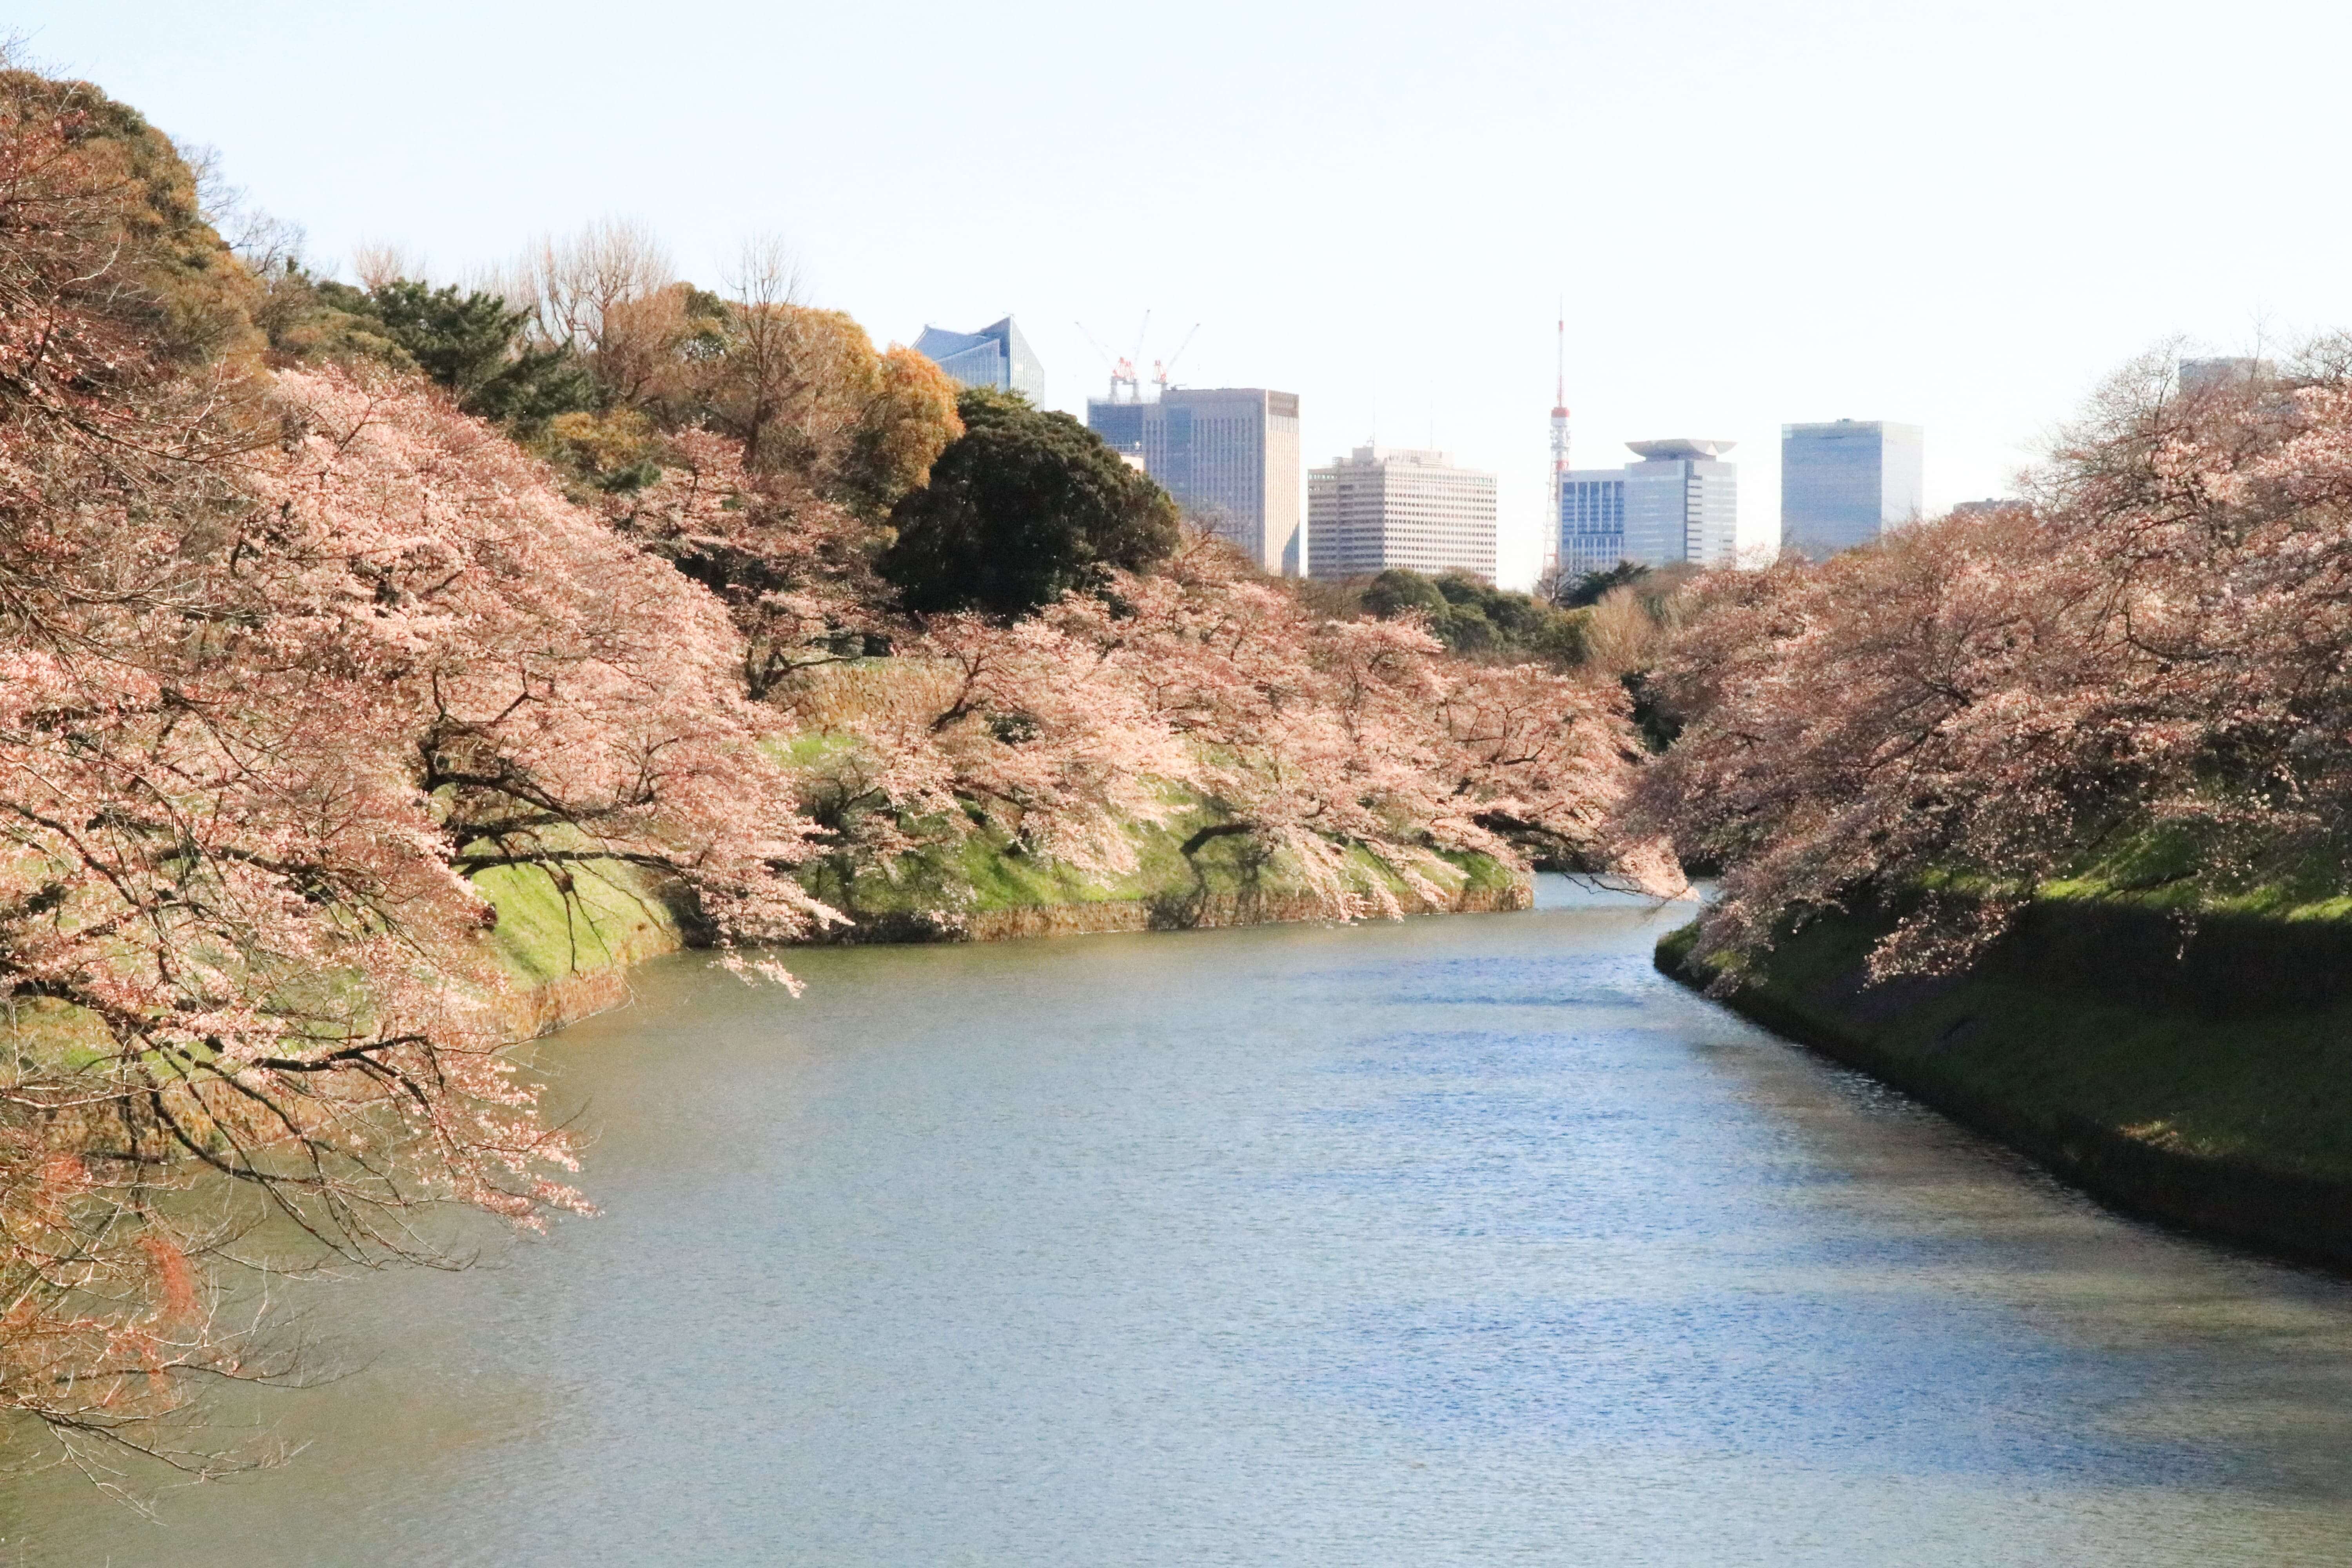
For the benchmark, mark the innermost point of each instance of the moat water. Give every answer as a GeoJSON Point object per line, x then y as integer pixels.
{"type": "Point", "coordinates": [1463, 1241]}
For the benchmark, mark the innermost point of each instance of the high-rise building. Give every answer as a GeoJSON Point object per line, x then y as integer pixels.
{"type": "Point", "coordinates": [2199, 375]}
{"type": "Point", "coordinates": [1229, 457]}
{"type": "Point", "coordinates": [1681, 503]}
{"type": "Point", "coordinates": [997, 355]}
{"type": "Point", "coordinates": [1386, 506]}
{"type": "Point", "coordinates": [1591, 533]}
{"type": "Point", "coordinates": [1844, 483]}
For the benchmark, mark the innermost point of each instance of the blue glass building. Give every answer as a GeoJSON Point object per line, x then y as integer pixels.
{"type": "Point", "coordinates": [1844, 483]}
{"type": "Point", "coordinates": [1681, 503]}
{"type": "Point", "coordinates": [997, 355]}
{"type": "Point", "coordinates": [1592, 519]}
{"type": "Point", "coordinates": [1228, 456]}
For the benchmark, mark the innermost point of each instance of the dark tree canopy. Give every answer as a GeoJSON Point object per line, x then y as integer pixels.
{"type": "Point", "coordinates": [1396, 590]}
{"type": "Point", "coordinates": [1025, 506]}
{"type": "Point", "coordinates": [472, 344]}
{"type": "Point", "coordinates": [1473, 618]}
{"type": "Point", "coordinates": [1578, 592]}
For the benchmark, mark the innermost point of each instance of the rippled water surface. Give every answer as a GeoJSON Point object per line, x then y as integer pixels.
{"type": "Point", "coordinates": [1461, 1241]}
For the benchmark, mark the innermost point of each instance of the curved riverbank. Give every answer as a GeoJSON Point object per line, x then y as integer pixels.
{"type": "Point", "coordinates": [1196, 872]}
{"type": "Point", "coordinates": [2196, 1077]}
{"type": "Point", "coordinates": [569, 959]}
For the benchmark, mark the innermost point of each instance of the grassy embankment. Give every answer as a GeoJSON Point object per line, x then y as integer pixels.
{"type": "Point", "coordinates": [986, 889]}
{"type": "Point", "coordinates": [563, 964]}
{"type": "Point", "coordinates": [2197, 1071]}
{"type": "Point", "coordinates": [567, 959]}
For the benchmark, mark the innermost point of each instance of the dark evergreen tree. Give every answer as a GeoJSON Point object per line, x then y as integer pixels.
{"type": "Point", "coordinates": [1588, 589]}
{"type": "Point", "coordinates": [1025, 506]}
{"type": "Point", "coordinates": [1396, 590]}
{"type": "Point", "coordinates": [1471, 616]}
{"type": "Point", "coordinates": [472, 344]}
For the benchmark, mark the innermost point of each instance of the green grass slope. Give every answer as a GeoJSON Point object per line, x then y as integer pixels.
{"type": "Point", "coordinates": [614, 919]}
{"type": "Point", "coordinates": [971, 888]}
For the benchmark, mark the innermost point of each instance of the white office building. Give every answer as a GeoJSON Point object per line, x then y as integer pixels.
{"type": "Point", "coordinates": [1382, 507]}
{"type": "Point", "coordinates": [1681, 503]}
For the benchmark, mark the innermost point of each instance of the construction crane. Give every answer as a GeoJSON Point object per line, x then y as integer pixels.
{"type": "Point", "coordinates": [1122, 370]}
{"type": "Point", "coordinates": [1162, 367]}
{"type": "Point", "coordinates": [1560, 398]}
{"type": "Point", "coordinates": [1126, 385]}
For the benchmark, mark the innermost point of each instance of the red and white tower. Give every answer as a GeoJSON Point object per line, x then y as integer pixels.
{"type": "Point", "coordinates": [1558, 445]}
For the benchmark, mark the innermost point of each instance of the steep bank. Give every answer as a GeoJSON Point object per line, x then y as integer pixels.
{"type": "Point", "coordinates": [2200, 1075]}
{"type": "Point", "coordinates": [569, 959]}
{"type": "Point", "coordinates": [1191, 873]}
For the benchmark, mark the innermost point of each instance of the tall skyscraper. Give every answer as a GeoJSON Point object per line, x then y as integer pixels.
{"type": "Point", "coordinates": [1681, 503]}
{"type": "Point", "coordinates": [1229, 457]}
{"type": "Point", "coordinates": [1844, 483]}
{"type": "Point", "coordinates": [2199, 375]}
{"type": "Point", "coordinates": [997, 355]}
{"type": "Point", "coordinates": [1591, 533]}
{"type": "Point", "coordinates": [1385, 506]}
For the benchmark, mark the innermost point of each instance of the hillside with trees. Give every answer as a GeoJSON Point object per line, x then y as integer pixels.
{"type": "Point", "coordinates": [2137, 676]}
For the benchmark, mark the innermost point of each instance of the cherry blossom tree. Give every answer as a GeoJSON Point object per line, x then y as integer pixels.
{"type": "Point", "coordinates": [1205, 686]}
{"type": "Point", "coordinates": [1319, 737]}
{"type": "Point", "coordinates": [2151, 644]}
{"type": "Point", "coordinates": [286, 662]}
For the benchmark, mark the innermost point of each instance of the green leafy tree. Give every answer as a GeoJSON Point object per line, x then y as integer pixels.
{"type": "Point", "coordinates": [1396, 591]}
{"type": "Point", "coordinates": [309, 317]}
{"type": "Point", "coordinates": [1471, 616]}
{"type": "Point", "coordinates": [1021, 508]}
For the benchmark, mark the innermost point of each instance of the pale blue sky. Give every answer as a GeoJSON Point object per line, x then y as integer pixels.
{"type": "Point", "coordinates": [1960, 215]}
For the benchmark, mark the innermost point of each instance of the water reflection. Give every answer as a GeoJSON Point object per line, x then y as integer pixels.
{"type": "Point", "coordinates": [1467, 1241]}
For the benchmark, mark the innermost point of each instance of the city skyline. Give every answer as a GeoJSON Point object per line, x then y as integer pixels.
{"type": "Point", "coordinates": [1733, 314]}
{"type": "Point", "coordinates": [1842, 482]}
{"type": "Point", "coordinates": [1685, 504]}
